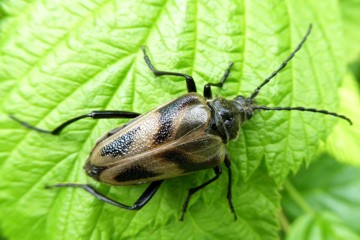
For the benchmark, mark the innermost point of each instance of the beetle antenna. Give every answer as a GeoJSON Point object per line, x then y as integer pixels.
{"type": "Point", "coordinates": [302, 109]}
{"type": "Point", "coordinates": [256, 91]}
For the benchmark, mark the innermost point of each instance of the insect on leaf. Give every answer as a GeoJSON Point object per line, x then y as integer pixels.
{"type": "Point", "coordinates": [61, 59]}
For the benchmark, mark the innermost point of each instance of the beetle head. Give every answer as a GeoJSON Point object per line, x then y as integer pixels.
{"type": "Point", "coordinates": [245, 106]}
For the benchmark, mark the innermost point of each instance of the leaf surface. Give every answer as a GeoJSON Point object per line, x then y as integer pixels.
{"type": "Point", "coordinates": [60, 59]}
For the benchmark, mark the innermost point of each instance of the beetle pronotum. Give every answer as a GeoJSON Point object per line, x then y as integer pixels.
{"type": "Point", "coordinates": [182, 136]}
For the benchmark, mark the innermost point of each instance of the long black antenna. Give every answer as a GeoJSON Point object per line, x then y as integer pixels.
{"type": "Point", "coordinates": [304, 110]}
{"type": "Point", "coordinates": [256, 92]}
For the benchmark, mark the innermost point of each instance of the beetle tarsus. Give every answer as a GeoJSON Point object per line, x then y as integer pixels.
{"type": "Point", "coordinates": [94, 114]}
{"type": "Point", "coordinates": [190, 83]}
{"type": "Point", "coordinates": [191, 191]}
{"type": "Point", "coordinates": [25, 124]}
{"type": "Point", "coordinates": [141, 202]}
{"type": "Point", "coordinates": [229, 193]}
{"type": "Point", "coordinates": [207, 88]}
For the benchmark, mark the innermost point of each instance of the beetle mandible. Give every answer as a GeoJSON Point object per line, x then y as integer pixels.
{"type": "Point", "coordinates": [182, 136]}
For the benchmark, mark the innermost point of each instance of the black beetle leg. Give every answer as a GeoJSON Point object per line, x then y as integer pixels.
{"type": "Point", "coordinates": [229, 193]}
{"type": "Point", "coordinates": [207, 87]}
{"type": "Point", "coordinates": [93, 114]}
{"type": "Point", "coordinates": [143, 199]}
{"type": "Point", "coordinates": [191, 87]}
{"type": "Point", "coordinates": [217, 171]}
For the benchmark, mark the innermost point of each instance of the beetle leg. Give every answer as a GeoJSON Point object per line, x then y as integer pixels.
{"type": "Point", "coordinates": [191, 87]}
{"type": "Point", "coordinates": [218, 172]}
{"type": "Point", "coordinates": [143, 199]}
{"type": "Point", "coordinates": [207, 87]}
{"type": "Point", "coordinates": [229, 193]}
{"type": "Point", "coordinates": [93, 114]}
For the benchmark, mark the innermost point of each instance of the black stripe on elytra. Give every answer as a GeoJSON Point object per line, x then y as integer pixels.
{"type": "Point", "coordinates": [135, 172]}
{"type": "Point", "coordinates": [182, 160]}
{"type": "Point", "coordinates": [119, 146]}
{"type": "Point", "coordinates": [168, 114]}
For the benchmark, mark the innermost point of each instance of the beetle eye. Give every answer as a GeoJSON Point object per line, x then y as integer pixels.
{"type": "Point", "coordinates": [249, 114]}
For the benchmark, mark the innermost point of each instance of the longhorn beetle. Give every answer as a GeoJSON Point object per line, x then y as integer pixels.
{"type": "Point", "coordinates": [182, 136]}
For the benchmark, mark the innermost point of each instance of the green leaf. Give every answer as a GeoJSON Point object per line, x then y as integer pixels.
{"type": "Point", "coordinates": [344, 141]}
{"type": "Point", "coordinates": [327, 186]}
{"type": "Point", "coordinates": [351, 20]}
{"type": "Point", "coordinates": [320, 226]}
{"type": "Point", "coordinates": [60, 59]}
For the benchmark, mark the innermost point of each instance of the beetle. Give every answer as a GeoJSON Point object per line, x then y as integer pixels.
{"type": "Point", "coordinates": [182, 136]}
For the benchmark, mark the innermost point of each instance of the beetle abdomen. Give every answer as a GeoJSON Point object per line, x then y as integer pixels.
{"type": "Point", "coordinates": [191, 153]}
{"type": "Point", "coordinates": [168, 141]}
